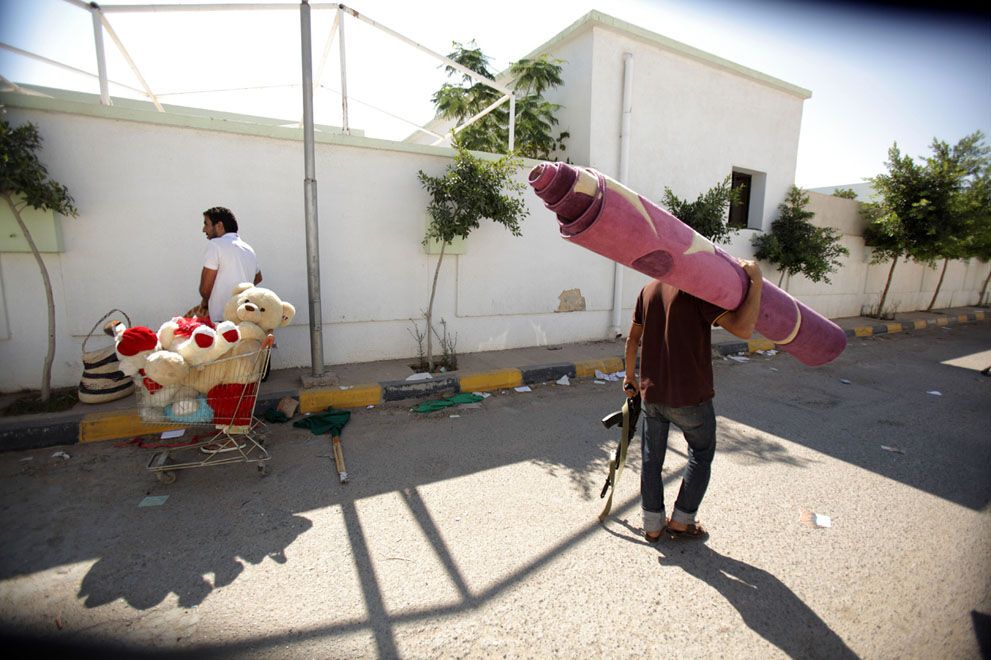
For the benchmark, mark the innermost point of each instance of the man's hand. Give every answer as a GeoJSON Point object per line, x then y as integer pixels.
{"type": "Point", "coordinates": [752, 269]}
{"type": "Point", "coordinates": [630, 388]}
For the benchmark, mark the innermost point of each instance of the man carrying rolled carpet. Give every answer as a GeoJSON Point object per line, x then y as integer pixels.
{"type": "Point", "coordinates": [677, 388]}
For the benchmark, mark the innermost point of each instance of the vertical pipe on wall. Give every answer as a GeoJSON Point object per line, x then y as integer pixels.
{"type": "Point", "coordinates": [616, 329]}
{"type": "Point", "coordinates": [344, 73]}
{"type": "Point", "coordinates": [101, 57]}
{"type": "Point", "coordinates": [310, 198]}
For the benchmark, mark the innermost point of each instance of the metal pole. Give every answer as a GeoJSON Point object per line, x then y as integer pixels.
{"type": "Point", "coordinates": [310, 198]}
{"type": "Point", "coordinates": [344, 74]}
{"type": "Point", "coordinates": [101, 58]}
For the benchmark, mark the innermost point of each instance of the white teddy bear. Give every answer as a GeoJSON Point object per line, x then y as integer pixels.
{"type": "Point", "coordinates": [197, 340]}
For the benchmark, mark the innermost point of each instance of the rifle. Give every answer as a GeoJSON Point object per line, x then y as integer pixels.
{"type": "Point", "coordinates": [627, 417]}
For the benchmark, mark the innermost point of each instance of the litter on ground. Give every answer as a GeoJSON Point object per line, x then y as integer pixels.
{"type": "Point", "coordinates": [175, 433]}
{"type": "Point", "coordinates": [815, 520]}
{"type": "Point", "coordinates": [153, 500]}
{"type": "Point", "coordinates": [895, 450]}
{"type": "Point", "coordinates": [523, 388]}
{"type": "Point", "coordinates": [563, 380]}
{"type": "Point", "coordinates": [423, 375]}
{"type": "Point", "coordinates": [738, 358]}
{"type": "Point", "coordinates": [935, 392]}
{"type": "Point", "coordinates": [440, 404]}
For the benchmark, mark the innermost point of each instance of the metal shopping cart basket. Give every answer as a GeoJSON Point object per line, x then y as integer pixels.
{"type": "Point", "coordinates": [218, 399]}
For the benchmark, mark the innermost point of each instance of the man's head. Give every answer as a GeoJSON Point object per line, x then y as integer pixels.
{"type": "Point", "coordinates": [218, 221]}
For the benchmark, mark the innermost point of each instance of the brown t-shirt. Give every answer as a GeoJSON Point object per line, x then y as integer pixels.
{"type": "Point", "coordinates": [676, 348]}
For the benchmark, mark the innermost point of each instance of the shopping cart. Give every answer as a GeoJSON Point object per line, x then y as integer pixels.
{"type": "Point", "coordinates": [218, 400]}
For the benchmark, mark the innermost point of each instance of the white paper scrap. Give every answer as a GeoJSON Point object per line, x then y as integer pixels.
{"type": "Point", "coordinates": [423, 375]}
{"type": "Point", "coordinates": [844, 381]}
{"type": "Point", "coordinates": [523, 388]}
{"type": "Point", "coordinates": [345, 387]}
{"type": "Point", "coordinates": [599, 382]}
{"type": "Point", "coordinates": [823, 521]}
{"type": "Point", "coordinates": [153, 500]}
{"type": "Point", "coordinates": [738, 358]}
{"type": "Point", "coordinates": [453, 416]}
{"type": "Point", "coordinates": [935, 392]}
{"type": "Point", "coordinates": [484, 395]}
{"type": "Point", "coordinates": [61, 454]}
{"type": "Point", "coordinates": [896, 450]}
{"type": "Point", "coordinates": [175, 433]}
{"type": "Point", "coordinates": [563, 380]}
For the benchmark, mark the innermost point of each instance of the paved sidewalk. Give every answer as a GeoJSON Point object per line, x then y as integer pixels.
{"type": "Point", "coordinates": [373, 383]}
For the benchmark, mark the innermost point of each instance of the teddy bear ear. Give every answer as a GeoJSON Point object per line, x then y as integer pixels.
{"type": "Point", "coordinates": [241, 288]}
{"type": "Point", "coordinates": [288, 312]}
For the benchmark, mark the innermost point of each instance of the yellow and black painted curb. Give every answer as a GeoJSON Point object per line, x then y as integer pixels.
{"type": "Point", "coordinates": [94, 427]}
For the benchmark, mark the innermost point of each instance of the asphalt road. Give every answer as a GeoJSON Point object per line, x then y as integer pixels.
{"type": "Point", "coordinates": [476, 535]}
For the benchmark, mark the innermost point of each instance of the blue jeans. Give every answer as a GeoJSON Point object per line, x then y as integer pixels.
{"type": "Point", "coordinates": [698, 424]}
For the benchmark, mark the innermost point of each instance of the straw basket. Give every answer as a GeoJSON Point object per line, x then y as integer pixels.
{"type": "Point", "coordinates": [102, 379]}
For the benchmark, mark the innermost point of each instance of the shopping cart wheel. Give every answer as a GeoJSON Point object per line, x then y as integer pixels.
{"type": "Point", "coordinates": [166, 477]}
{"type": "Point", "coordinates": [263, 469]}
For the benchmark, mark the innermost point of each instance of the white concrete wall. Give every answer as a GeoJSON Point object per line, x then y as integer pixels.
{"type": "Point", "coordinates": [857, 286]}
{"type": "Point", "coordinates": [136, 245]}
{"type": "Point", "coordinates": [141, 186]}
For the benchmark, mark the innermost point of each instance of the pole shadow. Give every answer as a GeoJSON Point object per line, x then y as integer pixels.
{"type": "Point", "coordinates": [766, 604]}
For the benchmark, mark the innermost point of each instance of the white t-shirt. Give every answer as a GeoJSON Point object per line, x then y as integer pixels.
{"type": "Point", "coordinates": [235, 262]}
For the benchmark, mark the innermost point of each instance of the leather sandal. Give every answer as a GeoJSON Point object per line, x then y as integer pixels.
{"type": "Point", "coordinates": [692, 532]}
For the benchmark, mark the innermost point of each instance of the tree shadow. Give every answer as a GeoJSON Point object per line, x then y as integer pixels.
{"type": "Point", "coordinates": [765, 604]}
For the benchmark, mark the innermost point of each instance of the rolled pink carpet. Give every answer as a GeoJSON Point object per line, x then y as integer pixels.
{"type": "Point", "coordinates": [608, 218]}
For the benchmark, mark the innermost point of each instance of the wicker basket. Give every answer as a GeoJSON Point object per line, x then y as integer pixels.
{"type": "Point", "coordinates": [102, 379]}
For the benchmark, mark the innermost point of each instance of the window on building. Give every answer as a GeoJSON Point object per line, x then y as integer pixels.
{"type": "Point", "coordinates": [739, 212]}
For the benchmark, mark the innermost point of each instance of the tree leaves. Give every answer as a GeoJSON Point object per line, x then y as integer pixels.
{"type": "Point", "coordinates": [23, 175]}
{"type": "Point", "coordinates": [795, 245]}
{"type": "Point", "coordinates": [536, 119]}
{"type": "Point", "coordinates": [707, 214]}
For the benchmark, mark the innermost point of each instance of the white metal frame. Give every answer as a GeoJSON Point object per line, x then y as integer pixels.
{"type": "Point", "coordinates": [101, 24]}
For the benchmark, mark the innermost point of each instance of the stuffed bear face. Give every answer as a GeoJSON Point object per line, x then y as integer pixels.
{"type": "Point", "coordinates": [259, 306]}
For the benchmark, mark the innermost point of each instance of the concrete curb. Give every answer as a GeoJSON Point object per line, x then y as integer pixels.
{"type": "Point", "coordinates": [44, 431]}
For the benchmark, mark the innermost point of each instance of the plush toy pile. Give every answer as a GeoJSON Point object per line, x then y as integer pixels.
{"type": "Point", "coordinates": [196, 372]}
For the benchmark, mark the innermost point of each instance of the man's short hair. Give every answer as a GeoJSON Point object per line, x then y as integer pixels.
{"type": "Point", "coordinates": [224, 216]}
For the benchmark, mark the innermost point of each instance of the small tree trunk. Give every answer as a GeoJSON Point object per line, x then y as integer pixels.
{"type": "Point", "coordinates": [984, 289]}
{"type": "Point", "coordinates": [430, 310]}
{"type": "Point", "coordinates": [46, 374]}
{"type": "Point", "coordinates": [781, 279]}
{"type": "Point", "coordinates": [884, 294]}
{"type": "Point", "coordinates": [938, 284]}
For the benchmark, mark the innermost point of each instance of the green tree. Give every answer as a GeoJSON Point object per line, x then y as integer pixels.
{"type": "Point", "coordinates": [979, 237]}
{"type": "Point", "coordinates": [926, 210]}
{"type": "Point", "coordinates": [960, 173]}
{"type": "Point", "coordinates": [798, 246]}
{"type": "Point", "coordinates": [470, 190]}
{"type": "Point", "coordinates": [536, 119]}
{"type": "Point", "coordinates": [24, 182]}
{"type": "Point", "coordinates": [708, 213]}
{"type": "Point", "coordinates": [845, 193]}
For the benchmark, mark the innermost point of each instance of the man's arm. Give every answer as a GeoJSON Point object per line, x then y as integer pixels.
{"type": "Point", "coordinates": [632, 346]}
{"type": "Point", "coordinates": [207, 278]}
{"type": "Point", "coordinates": [258, 278]}
{"type": "Point", "coordinates": [743, 319]}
